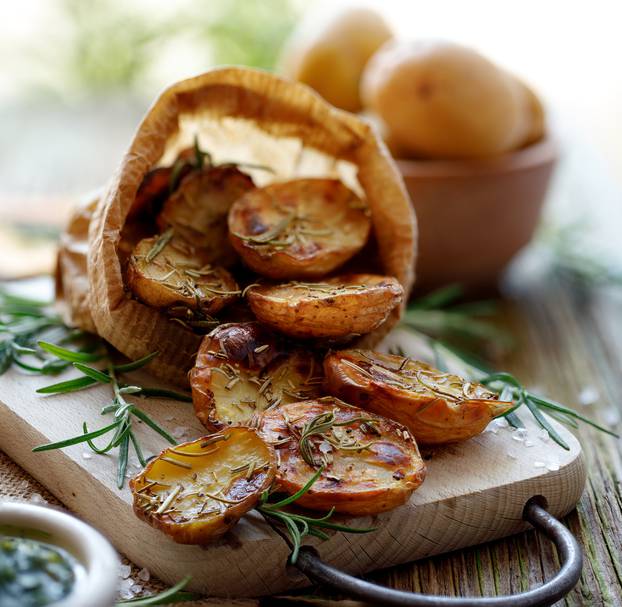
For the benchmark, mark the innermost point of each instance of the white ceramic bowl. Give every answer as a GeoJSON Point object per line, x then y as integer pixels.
{"type": "Point", "coordinates": [96, 579]}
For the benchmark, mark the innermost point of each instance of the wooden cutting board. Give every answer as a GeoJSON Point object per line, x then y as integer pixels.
{"type": "Point", "coordinates": [474, 492]}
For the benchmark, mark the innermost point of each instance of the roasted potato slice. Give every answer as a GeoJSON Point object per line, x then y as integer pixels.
{"type": "Point", "coordinates": [198, 209]}
{"type": "Point", "coordinates": [436, 407]}
{"type": "Point", "coordinates": [243, 369]}
{"type": "Point", "coordinates": [352, 304]}
{"type": "Point", "coordinates": [371, 464]}
{"type": "Point", "coordinates": [165, 271]}
{"type": "Point", "coordinates": [197, 491]}
{"type": "Point", "coordinates": [303, 228]}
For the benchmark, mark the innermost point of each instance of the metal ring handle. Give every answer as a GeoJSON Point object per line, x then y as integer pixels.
{"type": "Point", "coordinates": [564, 581]}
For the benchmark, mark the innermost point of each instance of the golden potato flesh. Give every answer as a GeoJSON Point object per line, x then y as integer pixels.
{"type": "Point", "coordinates": [166, 272]}
{"type": "Point", "coordinates": [303, 228]}
{"type": "Point", "coordinates": [198, 209]}
{"type": "Point", "coordinates": [243, 369]}
{"type": "Point", "coordinates": [370, 463]}
{"type": "Point", "coordinates": [197, 491]}
{"type": "Point", "coordinates": [348, 305]}
{"type": "Point", "coordinates": [436, 407]}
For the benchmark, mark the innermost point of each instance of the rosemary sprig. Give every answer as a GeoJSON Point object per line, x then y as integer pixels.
{"type": "Point", "coordinates": [175, 594]}
{"type": "Point", "coordinates": [322, 425]}
{"type": "Point", "coordinates": [120, 431]}
{"type": "Point", "coordinates": [23, 323]}
{"type": "Point", "coordinates": [440, 315]}
{"type": "Point", "coordinates": [511, 389]}
{"type": "Point", "coordinates": [298, 526]}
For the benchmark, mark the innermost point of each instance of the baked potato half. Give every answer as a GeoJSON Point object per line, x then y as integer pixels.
{"type": "Point", "coordinates": [197, 491]}
{"type": "Point", "coordinates": [243, 369]}
{"type": "Point", "coordinates": [436, 407]}
{"type": "Point", "coordinates": [352, 304]}
{"type": "Point", "coordinates": [198, 209]}
{"type": "Point", "coordinates": [370, 464]}
{"type": "Point", "coordinates": [165, 271]}
{"type": "Point", "coordinates": [303, 228]}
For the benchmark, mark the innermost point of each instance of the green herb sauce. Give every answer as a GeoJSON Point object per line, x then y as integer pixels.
{"type": "Point", "coordinates": [32, 573]}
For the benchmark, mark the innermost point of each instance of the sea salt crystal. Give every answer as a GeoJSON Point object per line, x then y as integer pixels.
{"type": "Point", "coordinates": [518, 437]}
{"type": "Point", "coordinates": [137, 588]}
{"type": "Point", "coordinates": [87, 455]}
{"type": "Point", "coordinates": [126, 585]}
{"type": "Point", "coordinates": [144, 575]}
{"type": "Point", "coordinates": [539, 465]}
{"type": "Point", "coordinates": [37, 498]}
{"type": "Point", "coordinates": [552, 465]}
{"type": "Point", "coordinates": [543, 435]}
{"type": "Point", "coordinates": [588, 396]}
{"type": "Point", "coordinates": [511, 455]}
{"type": "Point", "coordinates": [180, 431]}
{"type": "Point", "coordinates": [522, 432]}
{"type": "Point", "coordinates": [125, 571]}
{"type": "Point", "coordinates": [496, 424]}
{"type": "Point", "coordinates": [126, 593]}
{"type": "Point", "coordinates": [611, 416]}
{"type": "Point", "coordinates": [528, 443]}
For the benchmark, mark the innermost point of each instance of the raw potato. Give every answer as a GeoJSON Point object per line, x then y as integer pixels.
{"type": "Point", "coordinates": [198, 209]}
{"type": "Point", "coordinates": [371, 464]}
{"type": "Point", "coordinates": [443, 100]}
{"type": "Point", "coordinates": [197, 491]}
{"type": "Point", "coordinates": [332, 61]}
{"type": "Point", "coordinates": [243, 369]}
{"type": "Point", "coordinates": [348, 305]}
{"type": "Point", "coordinates": [166, 272]}
{"type": "Point", "coordinates": [437, 407]}
{"type": "Point", "coordinates": [303, 228]}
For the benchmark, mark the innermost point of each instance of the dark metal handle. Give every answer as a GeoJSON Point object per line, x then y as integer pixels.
{"type": "Point", "coordinates": [568, 550]}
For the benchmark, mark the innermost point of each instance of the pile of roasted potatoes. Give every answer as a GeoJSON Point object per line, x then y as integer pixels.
{"type": "Point", "coordinates": [280, 399]}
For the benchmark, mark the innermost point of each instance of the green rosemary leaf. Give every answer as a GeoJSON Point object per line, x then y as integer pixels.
{"type": "Point", "coordinates": [153, 425]}
{"type": "Point", "coordinates": [541, 419]}
{"type": "Point", "coordinates": [70, 385]}
{"type": "Point", "coordinates": [138, 449]}
{"type": "Point", "coordinates": [514, 420]}
{"type": "Point", "coordinates": [438, 298]}
{"type": "Point", "coordinates": [95, 374]}
{"type": "Point", "coordinates": [24, 301]}
{"type": "Point", "coordinates": [6, 359]}
{"type": "Point", "coordinates": [298, 494]}
{"type": "Point", "coordinates": [550, 404]}
{"type": "Point", "coordinates": [70, 355]}
{"type": "Point", "coordinates": [76, 439]}
{"type": "Point", "coordinates": [137, 364]}
{"type": "Point", "coordinates": [172, 595]}
{"type": "Point", "coordinates": [124, 448]}
{"type": "Point", "coordinates": [94, 447]}
{"type": "Point", "coordinates": [161, 393]}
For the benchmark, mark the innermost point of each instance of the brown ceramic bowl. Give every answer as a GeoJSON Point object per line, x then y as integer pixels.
{"type": "Point", "coordinates": [475, 215]}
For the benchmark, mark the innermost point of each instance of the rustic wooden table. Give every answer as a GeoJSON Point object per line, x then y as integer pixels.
{"type": "Point", "coordinates": [569, 345]}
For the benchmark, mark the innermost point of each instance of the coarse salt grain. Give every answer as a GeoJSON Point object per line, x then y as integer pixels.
{"type": "Point", "coordinates": [87, 455]}
{"type": "Point", "coordinates": [539, 465]}
{"type": "Point", "coordinates": [137, 588]}
{"type": "Point", "coordinates": [528, 443]}
{"type": "Point", "coordinates": [125, 571]}
{"type": "Point", "coordinates": [144, 575]}
{"type": "Point", "coordinates": [588, 396]}
{"type": "Point", "coordinates": [552, 465]}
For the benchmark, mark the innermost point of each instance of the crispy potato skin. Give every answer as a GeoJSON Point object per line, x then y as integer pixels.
{"type": "Point", "coordinates": [198, 209]}
{"type": "Point", "coordinates": [358, 482]}
{"type": "Point", "coordinates": [436, 407]}
{"type": "Point", "coordinates": [192, 517]}
{"type": "Point", "coordinates": [343, 306]}
{"type": "Point", "coordinates": [164, 283]}
{"type": "Point", "coordinates": [230, 378]}
{"type": "Point", "coordinates": [304, 228]}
